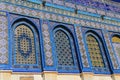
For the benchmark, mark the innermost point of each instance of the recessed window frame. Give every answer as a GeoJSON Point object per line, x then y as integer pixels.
{"type": "Point", "coordinates": [75, 58]}
{"type": "Point", "coordinates": [99, 44]}
{"type": "Point", "coordinates": [98, 33]}
{"type": "Point", "coordinates": [32, 27]}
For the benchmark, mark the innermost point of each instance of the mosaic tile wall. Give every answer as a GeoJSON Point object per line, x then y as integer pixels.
{"type": "Point", "coordinates": [84, 5]}
{"type": "Point", "coordinates": [109, 46]}
{"type": "Point", "coordinates": [3, 40]}
{"type": "Point", "coordinates": [91, 3]}
{"type": "Point", "coordinates": [47, 44]}
{"type": "Point", "coordinates": [85, 20]}
{"type": "Point", "coordinates": [55, 14]}
{"type": "Point", "coordinates": [82, 47]}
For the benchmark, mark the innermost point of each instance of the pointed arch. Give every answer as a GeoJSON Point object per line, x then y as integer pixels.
{"type": "Point", "coordinates": [25, 48]}
{"type": "Point", "coordinates": [65, 49]}
{"type": "Point", "coordinates": [95, 50]}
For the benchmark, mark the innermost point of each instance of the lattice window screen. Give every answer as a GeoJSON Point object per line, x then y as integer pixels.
{"type": "Point", "coordinates": [24, 45]}
{"type": "Point", "coordinates": [94, 51]}
{"type": "Point", "coordinates": [63, 48]}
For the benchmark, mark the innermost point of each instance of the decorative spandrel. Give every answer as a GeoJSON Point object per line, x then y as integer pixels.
{"type": "Point", "coordinates": [94, 51]}
{"type": "Point", "coordinates": [24, 45]}
{"type": "Point", "coordinates": [63, 49]}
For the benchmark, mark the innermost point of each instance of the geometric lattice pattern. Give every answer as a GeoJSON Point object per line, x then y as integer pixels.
{"type": "Point", "coordinates": [63, 49]}
{"type": "Point", "coordinates": [3, 40]}
{"type": "Point", "coordinates": [24, 45]}
{"type": "Point", "coordinates": [94, 51]}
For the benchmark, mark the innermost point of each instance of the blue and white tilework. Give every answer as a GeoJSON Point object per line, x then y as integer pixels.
{"type": "Point", "coordinates": [82, 47]}
{"type": "Point", "coordinates": [3, 40]}
{"type": "Point", "coordinates": [72, 19]}
{"type": "Point", "coordinates": [117, 50]}
{"type": "Point", "coordinates": [112, 56]}
{"type": "Point", "coordinates": [47, 44]}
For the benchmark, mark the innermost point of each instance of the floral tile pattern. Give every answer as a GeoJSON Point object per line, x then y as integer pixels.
{"type": "Point", "coordinates": [47, 44]}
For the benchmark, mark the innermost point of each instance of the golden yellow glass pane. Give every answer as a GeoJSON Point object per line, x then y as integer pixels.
{"type": "Point", "coordinates": [116, 39]}
{"type": "Point", "coordinates": [94, 51]}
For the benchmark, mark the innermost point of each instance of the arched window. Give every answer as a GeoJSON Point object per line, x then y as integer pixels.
{"type": "Point", "coordinates": [116, 46]}
{"type": "Point", "coordinates": [26, 49]}
{"type": "Point", "coordinates": [96, 52]}
{"type": "Point", "coordinates": [94, 49]}
{"type": "Point", "coordinates": [24, 45]}
{"type": "Point", "coordinates": [65, 50]}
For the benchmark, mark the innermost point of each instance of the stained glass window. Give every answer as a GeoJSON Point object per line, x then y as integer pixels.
{"type": "Point", "coordinates": [24, 45]}
{"type": "Point", "coordinates": [116, 46]}
{"type": "Point", "coordinates": [63, 48]}
{"type": "Point", "coordinates": [94, 51]}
